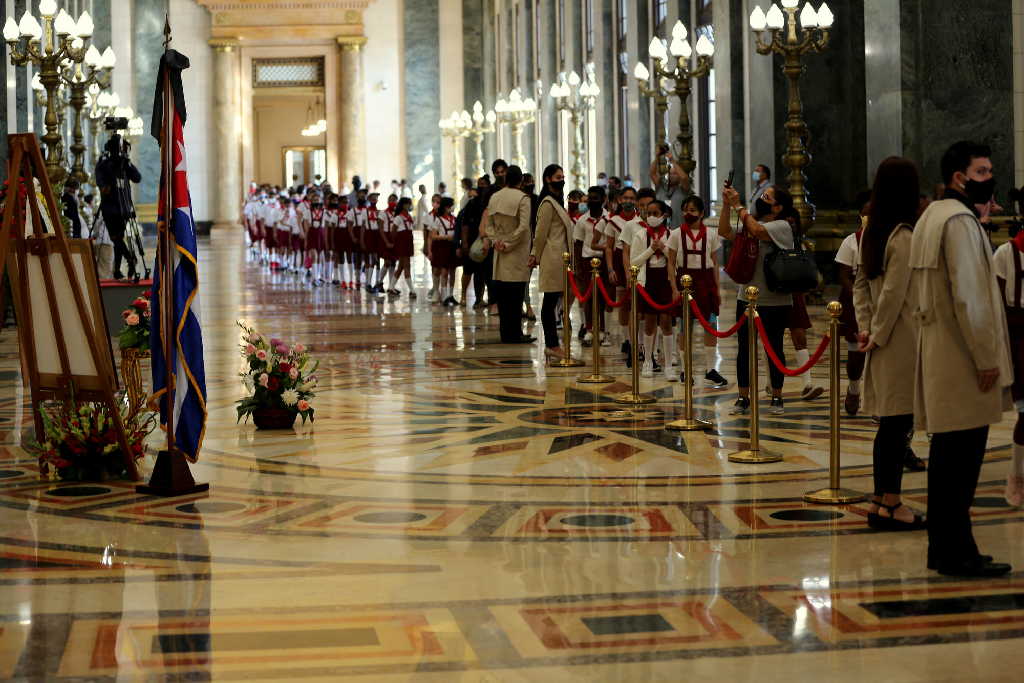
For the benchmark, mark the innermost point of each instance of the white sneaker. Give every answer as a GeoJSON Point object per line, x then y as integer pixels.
{"type": "Point", "coordinates": [676, 360]}
{"type": "Point", "coordinates": [670, 376]}
{"type": "Point", "coordinates": [606, 339]}
{"type": "Point", "coordinates": [647, 369]}
{"type": "Point", "coordinates": [588, 338]}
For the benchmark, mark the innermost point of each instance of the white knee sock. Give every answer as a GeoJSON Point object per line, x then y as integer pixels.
{"type": "Point", "coordinates": [709, 358]}
{"type": "Point", "coordinates": [408, 281]}
{"type": "Point", "coordinates": [649, 349]}
{"type": "Point", "coordinates": [802, 356]}
{"type": "Point", "coordinates": [667, 347]}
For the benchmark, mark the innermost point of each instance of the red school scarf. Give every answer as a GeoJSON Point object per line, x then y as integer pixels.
{"type": "Point", "coordinates": [701, 235]}
{"type": "Point", "coordinates": [1018, 241]}
{"type": "Point", "coordinates": [655, 234]}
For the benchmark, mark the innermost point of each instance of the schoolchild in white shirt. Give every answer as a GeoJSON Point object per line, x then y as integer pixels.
{"type": "Point", "coordinates": [589, 233]}
{"type": "Point", "coordinates": [649, 250]}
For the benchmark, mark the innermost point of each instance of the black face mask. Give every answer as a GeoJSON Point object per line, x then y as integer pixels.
{"type": "Point", "coordinates": [574, 206]}
{"type": "Point", "coordinates": [980, 192]}
{"type": "Point", "coordinates": [528, 189]}
{"type": "Point", "coordinates": [628, 207]}
{"type": "Point", "coordinates": [595, 207]}
{"type": "Point", "coordinates": [558, 187]}
{"type": "Point", "coordinates": [762, 207]}
{"type": "Point", "coordinates": [362, 202]}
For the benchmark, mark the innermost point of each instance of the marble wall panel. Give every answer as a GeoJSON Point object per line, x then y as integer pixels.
{"type": "Point", "coordinates": [422, 93]}
{"type": "Point", "coordinates": [472, 64]}
{"type": "Point", "coordinates": [101, 18]}
{"type": "Point", "coordinates": [148, 32]}
{"type": "Point", "coordinates": [832, 90]}
{"type": "Point", "coordinates": [957, 82]}
{"type": "Point", "coordinates": [883, 82]}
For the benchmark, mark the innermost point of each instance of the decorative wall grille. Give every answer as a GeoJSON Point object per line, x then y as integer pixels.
{"type": "Point", "coordinates": [288, 72]}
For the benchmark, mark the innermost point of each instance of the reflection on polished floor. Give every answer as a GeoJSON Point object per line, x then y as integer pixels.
{"type": "Point", "coordinates": [458, 512]}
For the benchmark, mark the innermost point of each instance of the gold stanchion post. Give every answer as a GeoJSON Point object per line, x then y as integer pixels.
{"type": "Point", "coordinates": [567, 361]}
{"type": "Point", "coordinates": [688, 423]}
{"type": "Point", "coordinates": [634, 396]}
{"type": "Point", "coordinates": [834, 495]}
{"type": "Point", "coordinates": [753, 455]}
{"type": "Point", "coordinates": [595, 297]}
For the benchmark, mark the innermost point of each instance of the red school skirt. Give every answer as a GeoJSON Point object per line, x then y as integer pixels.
{"type": "Point", "coordinates": [704, 291]}
{"type": "Point", "coordinates": [1015, 326]}
{"type": "Point", "coordinates": [371, 238]}
{"type": "Point", "coordinates": [848, 320]}
{"type": "Point", "coordinates": [798, 318]}
{"type": "Point", "coordinates": [269, 237]}
{"type": "Point", "coordinates": [442, 254]}
{"type": "Point", "coordinates": [403, 244]}
{"type": "Point", "coordinates": [658, 288]}
{"type": "Point", "coordinates": [316, 240]}
{"type": "Point", "coordinates": [619, 268]}
{"type": "Point", "coordinates": [342, 240]}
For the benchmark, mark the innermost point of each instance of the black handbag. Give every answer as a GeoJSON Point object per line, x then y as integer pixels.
{"type": "Point", "coordinates": [790, 271]}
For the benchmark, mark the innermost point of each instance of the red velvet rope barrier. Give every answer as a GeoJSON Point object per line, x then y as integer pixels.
{"type": "Point", "coordinates": [778, 363]}
{"type": "Point", "coordinates": [655, 305]}
{"type": "Point", "coordinates": [712, 331]}
{"type": "Point", "coordinates": [582, 298]}
{"type": "Point", "coordinates": [608, 299]}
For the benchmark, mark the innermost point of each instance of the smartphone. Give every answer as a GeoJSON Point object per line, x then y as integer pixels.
{"type": "Point", "coordinates": [728, 181]}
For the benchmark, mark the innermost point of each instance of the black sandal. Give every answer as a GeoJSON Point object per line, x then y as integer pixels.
{"type": "Point", "coordinates": [890, 523]}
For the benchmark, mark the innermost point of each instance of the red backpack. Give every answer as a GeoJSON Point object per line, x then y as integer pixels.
{"type": "Point", "coordinates": [743, 258]}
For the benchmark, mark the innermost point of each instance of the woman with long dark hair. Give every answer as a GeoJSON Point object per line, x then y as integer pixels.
{"type": "Point", "coordinates": [553, 227]}
{"type": "Point", "coordinates": [885, 304]}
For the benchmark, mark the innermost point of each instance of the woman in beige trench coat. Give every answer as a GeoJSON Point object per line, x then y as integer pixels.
{"type": "Point", "coordinates": [550, 242]}
{"type": "Point", "coordinates": [885, 304]}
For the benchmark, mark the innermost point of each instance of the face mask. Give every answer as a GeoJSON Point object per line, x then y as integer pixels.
{"type": "Point", "coordinates": [574, 206]}
{"type": "Point", "coordinates": [558, 187]}
{"type": "Point", "coordinates": [762, 207]}
{"type": "Point", "coordinates": [755, 176]}
{"type": "Point", "coordinates": [655, 221]}
{"type": "Point", "coordinates": [603, 182]}
{"type": "Point", "coordinates": [595, 206]}
{"type": "Point", "coordinates": [528, 189]}
{"type": "Point", "coordinates": [628, 207]}
{"type": "Point", "coordinates": [690, 218]}
{"type": "Point", "coordinates": [362, 202]}
{"type": "Point", "coordinates": [980, 192]}
{"type": "Point", "coordinates": [629, 183]}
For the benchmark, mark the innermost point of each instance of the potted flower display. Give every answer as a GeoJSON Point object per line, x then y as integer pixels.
{"type": "Point", "coordinates": [280, 380]}
{"type": "Point", "coordinates": [81, 444]}
{"type": "Point", "coordinates": [133, 341]}
{"type": "Point", "coordinates": [134, 334]}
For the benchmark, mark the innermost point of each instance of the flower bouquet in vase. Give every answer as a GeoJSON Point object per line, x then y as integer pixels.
{"type": "Point", "coordinates": [79, 443]}
{"type": "Point", "coordinates": [280, 380]}
{"type": "Point", "coordinates": [133, 341]}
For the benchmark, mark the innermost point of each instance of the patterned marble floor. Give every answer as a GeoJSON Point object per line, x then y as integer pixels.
{"type": "Point", "coordinates": [459, 512]}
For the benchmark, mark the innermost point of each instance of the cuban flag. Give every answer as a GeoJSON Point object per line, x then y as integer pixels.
{"type": "Point", "coordinates": [177, 231]}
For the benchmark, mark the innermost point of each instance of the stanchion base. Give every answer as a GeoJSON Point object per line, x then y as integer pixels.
{"type": "Point", "coordinates": [688, 425]}
{"type": "Point", "coordinates": [596, 379]}
{"type": "Point", "coordinates": [634, 399]}
{"type": "Point", "coordinates": [755, 457]}
{"type": "Point", "coordinates": [568, 363]}
{"type": "Point", "coordinates": [834, 496]}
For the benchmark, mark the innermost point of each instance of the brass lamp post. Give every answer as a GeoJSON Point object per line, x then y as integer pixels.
{"type": "Point", "coordinates": [79, 81]}
{"type": "Point", "coordinates": [576, 96]}
{"type": "Point", "coordinates": [46, 46]}
{"type": "Point", "coordinates": [518, 113]}
{"type": "Point", "coordinates": [477, 125]}
{"type": "Point", "coordinates": [455, 129]}
{"type": "Point", "coordinates": [676, 80]}
{"type": "Point", "coordinates": [793, 44]}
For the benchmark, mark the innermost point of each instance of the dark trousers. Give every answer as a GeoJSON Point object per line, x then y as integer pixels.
{"type": "Point", "coordinates": [116, 228]}
{"type": "Point", "coordinates": [890, 449]}
{"type": "Point", "coordinates": [548, 319]}
{"type": "Point", "coordinates": [510, 308]}
{"type": "Point", "coordinates": [776, 320]}
{"type": "Point", "coordinates": [486, 271]}
{"type": "Point", "coordinates": [954, 463]}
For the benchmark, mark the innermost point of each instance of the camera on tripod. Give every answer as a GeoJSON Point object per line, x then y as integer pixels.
{"type": "Point", "coordinates": [115, 123]}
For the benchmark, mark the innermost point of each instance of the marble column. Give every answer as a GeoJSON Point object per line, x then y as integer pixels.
{"type": "Point", "coordinates": [226, 112]}
{"type": "Point", "coordinates": [351, 118]}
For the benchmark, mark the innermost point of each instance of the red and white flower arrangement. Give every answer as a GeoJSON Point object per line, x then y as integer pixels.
{"type": "Point", "coordinates": [135, 333]}
{"type": "Point", "coordinates": [278, 376]}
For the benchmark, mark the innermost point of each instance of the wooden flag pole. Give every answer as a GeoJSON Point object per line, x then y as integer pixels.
{"type": "Point", "coordinates": [171, 474]}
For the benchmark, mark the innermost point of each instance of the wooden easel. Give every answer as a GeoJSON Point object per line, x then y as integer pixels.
{"type": "Point", "coordinates": [18, 253]}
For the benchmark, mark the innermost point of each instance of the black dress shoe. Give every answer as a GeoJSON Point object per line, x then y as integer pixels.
{"type": "Point", "coordinates": [912, 463]}
{"type": "Point", "coordinates": [984, 558]}
{"type": "Point", "coordinates": [976, 568]}
{"type": "Point", "coordinates": [525, 339]}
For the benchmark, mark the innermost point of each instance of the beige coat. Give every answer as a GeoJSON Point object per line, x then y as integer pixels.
{"type": "Point", "coordinates": [885, 310]}
{"type": "Point", "coordinates": [508, 220]}
{"type": "Point", "coordinates": [961, 321]}
{"type": "Point", "coordinates": [550, 242]}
